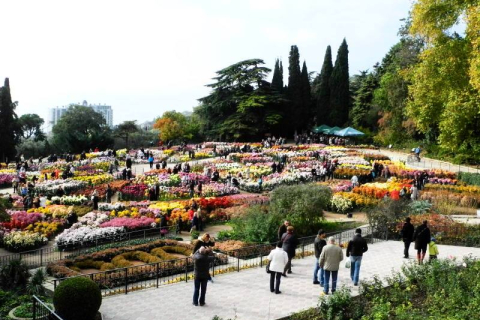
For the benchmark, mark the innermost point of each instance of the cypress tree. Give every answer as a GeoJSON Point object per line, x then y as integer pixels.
{"type": "Point", "coordinates": [321, 90]}
{"type": "Point", "coordinates": [8, 124]}
{"type": "Point", "coordinates": [340, 88]}
{"type": "Point", "coordinates": [277, 79]}
{"type": "Point", "coordinates": [294, 91]}
{"type": "Point", "coordinates": [306, 95]}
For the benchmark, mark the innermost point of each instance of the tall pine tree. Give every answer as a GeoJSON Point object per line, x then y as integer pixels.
{"type": "Point", "coordinates": [294, 91]}
{"type": "Point", "coordinates": [321, 90]}
{"type": "Point", "coordinates": [277, 79]}
{"type": "Point", "coordinates": [307, 111]}
{"type": "Point", "coordinates": [340, 88]}
{"type": "Point", "coordinates": [8, 124]}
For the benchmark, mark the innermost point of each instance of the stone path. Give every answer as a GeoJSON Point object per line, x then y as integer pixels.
{"type": "Point", "coordinates": [246, 295]}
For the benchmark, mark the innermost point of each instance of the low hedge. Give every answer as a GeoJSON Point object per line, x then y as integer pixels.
{"type": "Point", "coordinates": [62, 268]}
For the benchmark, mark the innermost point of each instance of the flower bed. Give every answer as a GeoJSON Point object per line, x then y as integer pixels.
{"type": "Point", "coordinates": [17, 241]}
{"type": "Point", "coordinates": [86, 236]}
{"type": "Point", "coordinates": [242, 250]}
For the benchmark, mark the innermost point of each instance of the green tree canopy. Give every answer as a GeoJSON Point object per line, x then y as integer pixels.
{"type": "Point", "coordinates": [444, 91]}
{"type": "Point", "coordinates": [31, 126]}
{"type": "Point", "coordinates": [125, 130]}
{"type": "Point", "coordinates": [241, 105]}
{"type": "Point", "coordinates": [81, 128]}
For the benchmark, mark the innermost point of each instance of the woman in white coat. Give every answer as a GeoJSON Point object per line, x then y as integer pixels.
{"type": "Point", "coordinates": [278, 259]}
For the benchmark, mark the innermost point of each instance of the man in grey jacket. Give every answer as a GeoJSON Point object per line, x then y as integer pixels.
{"type": "Point", "coordinates": [201, 261]}
{"type": "Point", "coordinates": [329, 261]}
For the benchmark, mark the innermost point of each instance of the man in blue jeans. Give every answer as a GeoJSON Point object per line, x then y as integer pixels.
{"type": "Point", "coordinates": [201, 260]}
{"type": "Point", "coordinates": [329, 261]}
{"type": "Point", "coordinates": [356, 247]}
{"type": "Point", "coordinates": [318, 273]}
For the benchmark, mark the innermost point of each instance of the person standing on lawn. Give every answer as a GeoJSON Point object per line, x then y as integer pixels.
{"type": "Point", "coordinates": [355, 250]}
{"type": "Point", "coordinates": [201, 261]}
{"type": "Point", "coordinates": [407, 235]}
{"type": "Point", "coordinates": [319, 244]}
{"type": "Point", "coordinates": [278, 260]}
{"type": "Point", "coordinates": [329, 261]}
{"type": "Point", "coordinates": [290, 243]}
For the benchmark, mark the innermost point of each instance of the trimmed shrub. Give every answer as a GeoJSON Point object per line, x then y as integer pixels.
{"type": "Point", "coordinates": [77, 299]}
{"type": "Point", "coordinates": [302, 205]}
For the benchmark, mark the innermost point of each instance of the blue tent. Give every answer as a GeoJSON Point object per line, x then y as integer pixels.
{"type": "Point", "coordinates": [321, 128]}
{"type": "Point", "coordinates": [332, 131]}
{"type": "Point", "coordinates": [349, 132]}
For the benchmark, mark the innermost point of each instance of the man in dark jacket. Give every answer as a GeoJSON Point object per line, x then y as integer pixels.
{"type": "Point", "coordinates": [201, 261]}
{"type": "Point", "coordinates": [407, 236]}
{"type": "Point", "coordinates": [290, 243]}
{"type": "Point", "coordinates": [422, 238]}
{"type": "Point", "coordinates": [318, 245]}
{"type": "Point", "coordinates": [283, 229]}
{"type": "Point", "coordinates": [356, 247]}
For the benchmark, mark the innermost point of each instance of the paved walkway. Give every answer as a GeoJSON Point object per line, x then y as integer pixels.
{"type": "Point", "coordinates": [425, 163]}
{"type": "Point", "coordinates": [246, 296]}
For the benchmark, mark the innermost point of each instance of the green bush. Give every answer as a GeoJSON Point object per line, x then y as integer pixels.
{"type": "Point", "coordinates": [469, 178]}
{"type": "Point", "coordinates": [77, 299]}
{"type": "Point", "coordinates": [256, 226]}
{"type": "Point", "coordinates": [302, 205]}
{"type": "Point", "coordinates": [14, 276]}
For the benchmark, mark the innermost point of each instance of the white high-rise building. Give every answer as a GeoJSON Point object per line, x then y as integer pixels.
{"type": "Point", "coordinates": [56, 113]}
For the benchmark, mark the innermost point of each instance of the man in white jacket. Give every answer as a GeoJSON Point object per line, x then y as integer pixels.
{"type": "Point", "coordinates": [278, 260]}
{"type": "Point", "coordinates": [330, 260]}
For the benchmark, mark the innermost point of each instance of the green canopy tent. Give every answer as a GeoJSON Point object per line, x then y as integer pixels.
{"type": "Point", "coordinates": [332, 131]}
{"type": "Point", "coordinates": [321, 128]}
{"type": "Point", "coordinates": [349, 132]}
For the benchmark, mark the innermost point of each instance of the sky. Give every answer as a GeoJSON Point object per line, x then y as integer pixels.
{"type": "Point", "coordinates": [146, 57]}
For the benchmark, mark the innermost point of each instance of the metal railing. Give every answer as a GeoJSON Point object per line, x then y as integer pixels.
{"type": "Point", "coordinates": [154, 275]}
{"type": "Point", "coordinates": [41, 257]}
{"type": "Point", "coordinates": [42, 311]}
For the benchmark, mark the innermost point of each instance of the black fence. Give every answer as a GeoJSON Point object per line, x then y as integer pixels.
{"type": "Point", "coordinates": [154, 275]}
{"type": "Point", "coordinates": [41, 257]}
{"type": "Point", "coordinates": [42, 311]}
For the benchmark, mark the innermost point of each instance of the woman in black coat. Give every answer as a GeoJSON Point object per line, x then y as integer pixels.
{"type": "Point", "coordinates": [422, 239]}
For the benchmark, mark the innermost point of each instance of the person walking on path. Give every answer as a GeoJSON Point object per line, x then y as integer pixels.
{"type": "Point", "coordinates": [290, 243]}
{"type": "Point", "coordinates": [278, 260]}
{"type": "Point", "coordinates": [432, 250]}
{"type": "Point", "coordinates": [318, 273]}
{"type": "Point", "coordinates": [422, 239]}
{"type": "Point", "coordinates": [150, 161]}
{"type": "Point", "coordinates": [407, 235]}
{"type": "Point", "coordinates": [201, 262]}
{"type": "Point", "coordinates": [282, 229]}
{"type": "Point", "coordinates": [329, 261]}
{"type": "Point", "coordinates": [355, 250]}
